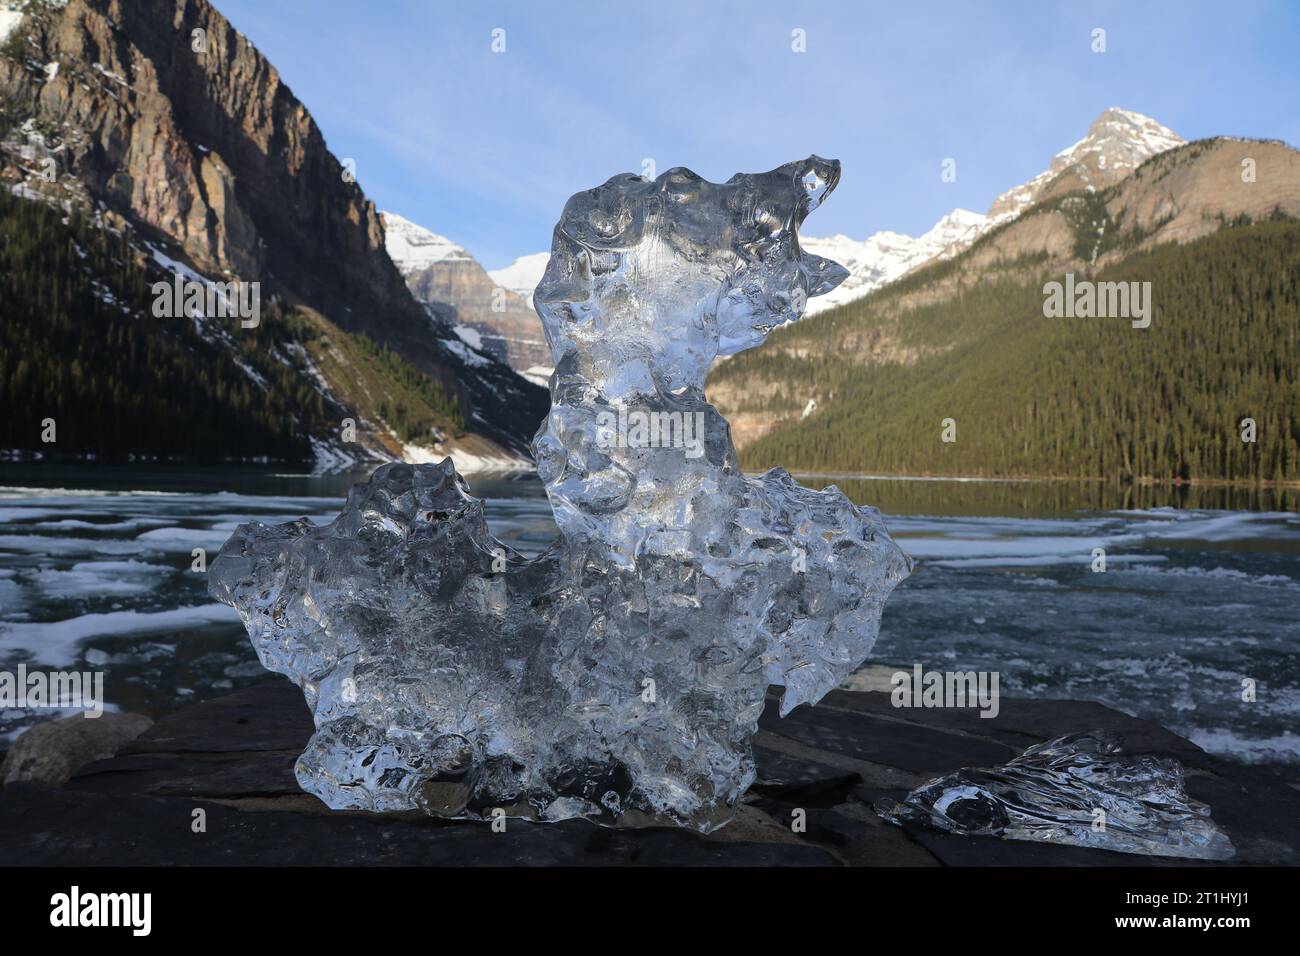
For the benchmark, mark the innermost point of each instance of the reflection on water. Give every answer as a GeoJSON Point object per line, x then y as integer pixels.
{"type": "Point", "coordinates": [1039, 498]}
{"type": "Point", "coordinates": [1199, 592]}
{"type": "Point", "coordinates": [937, 496]}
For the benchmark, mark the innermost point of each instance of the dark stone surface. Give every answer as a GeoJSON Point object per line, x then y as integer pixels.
{"type": "Point", "coordinates": [51, 826]}
{"type": "Point", "coordinates": [1260, 814]}
{"type": "Point", "coordinates": [954, 850]}
{"type": "Point", "coordinates": [1021, 723]}
{"type": "Point", "coordinates": [799, 781]}
{"type": "Point", "coordinates": [270, 716]}
{"type": "Point", "coordinates": [827, 765]}
{"type": "Point", "coordinates": [265, 774]}
{"type": "Point", "coordinates": [885, 740]}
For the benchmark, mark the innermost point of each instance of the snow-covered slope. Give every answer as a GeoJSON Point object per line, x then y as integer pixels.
{"type": "Point", "coordinates": [10, 17]}
{"type": "Point", "coordinates": [1117, 143]}
{"type": "Point", "coordinates": [885, 256]}
{"type": "Point", "coordinates": [522, 275]}
{"type": "Point", "coordinates": [413, 247]}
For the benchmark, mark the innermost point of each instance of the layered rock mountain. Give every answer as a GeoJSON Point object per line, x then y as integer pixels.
{"type": "Point", "coordinates": [166, 123]}
{"type": "Point", "coordinates": [1117, 142]}
{"type": "Point", "coordinates": [1179, 195]}
{"type": "Point", "coordinates": [450, 283]}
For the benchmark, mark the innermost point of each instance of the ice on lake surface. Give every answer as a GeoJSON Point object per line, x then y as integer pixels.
{"type": "Point", "coordinates": [1192, 600]}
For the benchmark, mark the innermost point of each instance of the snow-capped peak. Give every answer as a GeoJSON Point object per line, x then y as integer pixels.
{"type": "Point", "coordinates": [1124, 134]}
{"type": "Point", "coordinates": [1118, 139]}
{"type": "Point", "coordinates": [959, 226]}
{"type": "Point", "coordinates": [522, 275]}
{"type": "Point", "coordinates": [1118, 142]}
{"type": "Point", "coordinates": [413, 247]}
{"type": "Point", "coordinates": [10, 17]}
{"type": "Point", "coordinates": [885, 256]}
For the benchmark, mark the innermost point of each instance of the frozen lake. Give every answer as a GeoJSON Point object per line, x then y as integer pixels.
{"type": "Point", "coordinates": [96, 574]}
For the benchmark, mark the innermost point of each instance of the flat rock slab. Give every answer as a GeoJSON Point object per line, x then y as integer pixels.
{"type": "Point", "coordinates": [42, 826]}
{"type": "Point", "coordinates": [221, 776]}
{"type": "Point", "coordinates": [906, 745]}
{"type": "Point", "coordinates": [822, 766]}
{"type": "Point", "coordinates": [1019, 724]}
{"type": "Point", "coordinates": [270, 716]}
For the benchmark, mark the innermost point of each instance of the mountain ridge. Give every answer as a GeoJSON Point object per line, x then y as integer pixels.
{"type": "Point", "coordinates": [1117, 142]}
{"type": "Point", "coordinates": [451, 284]}
{"type": "Point", "coordinates": [166, 123]}
{"type": "Point", "coordinates": [522, 276]}
{"type": "Point", "coordinates": [929, 326]}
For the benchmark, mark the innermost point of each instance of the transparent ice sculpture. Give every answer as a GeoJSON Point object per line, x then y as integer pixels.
{"type": "Point", "coordinates": [620, 674]}
{"type": "Point", "coordinates": [1080, 790]}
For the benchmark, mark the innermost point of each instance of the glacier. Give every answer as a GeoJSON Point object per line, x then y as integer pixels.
{"type": "Point", "coordinates": [619, 675]}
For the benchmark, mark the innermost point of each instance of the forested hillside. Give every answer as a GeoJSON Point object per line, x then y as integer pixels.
{"type": "Point", "coordinates": [79, 344]}
{"type": "Point", "coordinates": [1036, 396]}
{"type": "Point", "coordinates": [205, 154]}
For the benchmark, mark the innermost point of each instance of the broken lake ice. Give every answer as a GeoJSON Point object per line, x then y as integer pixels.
{"type": "Point", "coordinates": [620, 674]}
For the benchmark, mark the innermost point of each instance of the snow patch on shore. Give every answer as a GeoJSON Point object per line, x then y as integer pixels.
{"type": "Point", "coordinates": [56, 642]}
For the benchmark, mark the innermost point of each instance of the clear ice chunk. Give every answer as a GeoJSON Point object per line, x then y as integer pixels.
{"type": "Point", "coordinates": [1081, 790]}
{"type": "Point", "coordinates": [620, 674]}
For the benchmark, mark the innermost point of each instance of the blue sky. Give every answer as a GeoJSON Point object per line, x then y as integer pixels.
{"type": "Point", "coordinates": [486, 147]}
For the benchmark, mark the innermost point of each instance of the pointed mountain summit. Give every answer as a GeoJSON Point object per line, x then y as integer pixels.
{"type": "Point", "coordinates": [413, 247]}
{"type": "Point", "coordinates": [1117, 143]}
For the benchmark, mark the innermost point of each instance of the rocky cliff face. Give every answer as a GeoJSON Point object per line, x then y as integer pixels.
{"type": "Point", "coordinates": [170, 120]}
{"type": "Point", "coordinates": [483, 312]}
{"type": "Point", "coordinates": [451, 284]}
{"type": "Point", "coordinates": [208, 146]}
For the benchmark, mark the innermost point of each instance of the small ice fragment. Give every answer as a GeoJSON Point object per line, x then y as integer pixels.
{"type": "Point", "coordinates": [1080, 790]}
